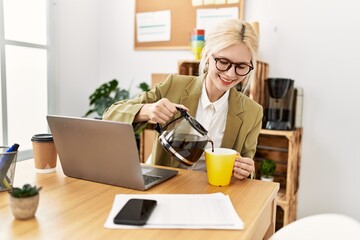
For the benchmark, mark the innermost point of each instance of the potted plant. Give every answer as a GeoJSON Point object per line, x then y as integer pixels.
{"type": "Point", "coordinates": [267, 170]}
{"type": "Point", "coordinates": [105, 95]}
{"type": "Point", "coordinates": [24, 201]}
{"type": "Point", "coordinates": [144, 87]}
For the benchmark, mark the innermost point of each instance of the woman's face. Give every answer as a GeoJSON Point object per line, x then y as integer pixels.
{"type": "Point", "coordinates": [218, 82]}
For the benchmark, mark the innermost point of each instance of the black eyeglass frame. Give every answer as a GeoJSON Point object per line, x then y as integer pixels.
{"type": "Point", "coordinates": [251, 67]}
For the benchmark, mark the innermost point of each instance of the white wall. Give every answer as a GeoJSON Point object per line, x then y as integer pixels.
{"type": "Point", "coordinates": [317, 44]}
{"type": "Point", "coordinates": [314, 42]}
{"type": "Point", "coordinates": [77, 55]}
{"type": "Point", "coordinates": [118, 58]}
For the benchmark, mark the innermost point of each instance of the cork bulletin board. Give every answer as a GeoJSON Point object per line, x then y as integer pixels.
{"type": "Point", "coordinates": [183, 20]}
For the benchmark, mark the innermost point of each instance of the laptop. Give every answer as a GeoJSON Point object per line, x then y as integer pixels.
{"type": "Point", "coordinates": [103, 151]}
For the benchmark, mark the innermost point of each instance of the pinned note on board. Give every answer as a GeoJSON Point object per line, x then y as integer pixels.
{"type": "Point", "coordinates": [197, 2]}
{"type": "Point", "coordinates": [153, 26]}
{"type": "Point", "coordinates": [182, 19]}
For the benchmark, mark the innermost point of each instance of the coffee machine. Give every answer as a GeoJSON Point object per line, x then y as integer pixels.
{"type": "Point", "coordinates": [279, 104]}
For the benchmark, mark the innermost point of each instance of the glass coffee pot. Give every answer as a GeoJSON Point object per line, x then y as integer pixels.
{"type": "Point", "coordinates": [184, 138]}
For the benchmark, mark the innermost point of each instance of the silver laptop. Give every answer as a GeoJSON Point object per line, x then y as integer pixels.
{"type": "Point", "coordinates": [103, 151]}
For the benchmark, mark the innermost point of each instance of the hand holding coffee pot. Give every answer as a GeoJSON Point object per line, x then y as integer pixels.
{"type": "Point", "coordinates": [159, 112]}
{"type": "Point", "coordinates": [184, 138]}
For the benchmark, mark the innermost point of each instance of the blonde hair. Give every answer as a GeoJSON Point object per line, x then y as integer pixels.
{"type": "Point", "coordinates": [226, 34]}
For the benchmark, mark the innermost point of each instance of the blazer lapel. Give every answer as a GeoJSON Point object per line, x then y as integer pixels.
{"type": "Point", "coordinates": [233, 120]}
{"type": "Point", "coordinates": [191, 100]}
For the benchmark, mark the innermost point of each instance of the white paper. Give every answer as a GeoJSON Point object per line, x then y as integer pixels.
{"type": "Point", "coordinates": [232, 1]}
{"type": "Point", "coordinates": [208, 18]}
{"type": "Point", "coordinates": [209, 2]}
{"type": "Point", "coordinates": [197, 2]}
{"type": "Point", "coordinates": [220, 1]}
{"type": "Point", "coordinates": [153, 26]}
{"type": "Point", "coordinates": [183, 211]}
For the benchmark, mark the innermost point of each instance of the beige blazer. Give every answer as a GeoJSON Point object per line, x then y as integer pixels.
{"type": "Point", "coordinates": [243, 124]}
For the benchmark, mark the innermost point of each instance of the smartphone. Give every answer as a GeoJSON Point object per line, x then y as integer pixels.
{"type": "Point", "coordinates": [135, 212]}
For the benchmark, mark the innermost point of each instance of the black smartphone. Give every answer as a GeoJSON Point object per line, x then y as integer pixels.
{"type": "Point", "coordinates": [135, 212]}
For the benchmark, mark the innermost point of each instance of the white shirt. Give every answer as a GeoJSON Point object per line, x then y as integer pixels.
{"type": "Point", "coordinates": [212, 116]}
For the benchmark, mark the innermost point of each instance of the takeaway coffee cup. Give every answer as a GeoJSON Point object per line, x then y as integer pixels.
{"type": "Point", "coordinates": [219, 165]}
{"type": "Point", "coordinates": [45, 155]}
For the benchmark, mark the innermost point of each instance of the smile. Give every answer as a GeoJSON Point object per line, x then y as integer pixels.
{"type": "Point", "coordinates": [225, 82]}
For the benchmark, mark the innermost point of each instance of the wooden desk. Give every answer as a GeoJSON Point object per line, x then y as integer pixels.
{"type": "Point", "coordinates": [76, 209]}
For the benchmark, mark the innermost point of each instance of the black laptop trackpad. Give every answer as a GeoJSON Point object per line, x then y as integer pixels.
{"type": "Point", "coordinates": [150, 178]}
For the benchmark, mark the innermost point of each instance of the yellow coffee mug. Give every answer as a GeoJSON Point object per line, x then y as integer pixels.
{"type": "Point", "coordinates": [219, 165]}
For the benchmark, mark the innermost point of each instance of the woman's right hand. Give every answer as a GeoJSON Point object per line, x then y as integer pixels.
{"type": "Point", "coordinates": [160, 111]}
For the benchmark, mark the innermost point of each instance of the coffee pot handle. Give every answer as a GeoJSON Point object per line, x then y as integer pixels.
{"type": "Point", "coordinates": [182, 111]}
{"type": "Point", "coordinates": [160, 129]}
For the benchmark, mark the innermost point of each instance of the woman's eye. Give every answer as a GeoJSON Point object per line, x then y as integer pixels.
{"type": "Point", "coordinates": [224, 61]}
{"type": "Point", "coordinates": [241, 66]}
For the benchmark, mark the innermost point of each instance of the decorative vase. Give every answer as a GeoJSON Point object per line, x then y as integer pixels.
{"type": "Point", "coordinates": [24, 208]}
{"type": "Point", "coordinates": [267, 179]}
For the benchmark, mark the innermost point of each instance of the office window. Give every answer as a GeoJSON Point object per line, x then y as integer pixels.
{"type": "Point", "coordinates": [25, 21]}
{"type": "Point", "coordinates": [24, 71]}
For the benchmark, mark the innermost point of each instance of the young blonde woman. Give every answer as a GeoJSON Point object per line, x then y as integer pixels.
{"type": "Point", "coordinates": [232, 119]}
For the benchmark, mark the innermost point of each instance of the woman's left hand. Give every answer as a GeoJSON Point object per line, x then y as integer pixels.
{"type": "Point", "coordinates": [243, 167]}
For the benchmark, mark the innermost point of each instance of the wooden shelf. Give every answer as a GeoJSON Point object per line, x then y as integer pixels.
{"type": "Point", "coordinates": [188, 67]}
{"type": "Point", "coordinates": [284, 148]}
{"type": "Point", "coordinates": [281, 197]}
{"type": "Point", "coordinates": [287, 134]}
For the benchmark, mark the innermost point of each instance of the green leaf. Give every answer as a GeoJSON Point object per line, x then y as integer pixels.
{"type": "Point", "coordinates": [26, 191]}
{"type": "Point", "coordinates": [144, 87]}
{"type": "Point", "coordinates": [267, 167]}
{"type": "Point", "coordinates": [104, 96]}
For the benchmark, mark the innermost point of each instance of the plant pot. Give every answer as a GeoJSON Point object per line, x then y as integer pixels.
{"type": "Point", "coordinates": [24, 208]}
{"type": "Point", "coordinates": [267, 179]}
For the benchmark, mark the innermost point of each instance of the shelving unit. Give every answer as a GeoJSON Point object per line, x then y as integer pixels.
{"type": "Point", "coordinates": [284, 147]}
{"type": "Point", "coordinates": [188, 67]}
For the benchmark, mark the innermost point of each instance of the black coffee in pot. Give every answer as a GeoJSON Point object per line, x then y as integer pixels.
{"type": "Point", "coordinates": [188, 148]}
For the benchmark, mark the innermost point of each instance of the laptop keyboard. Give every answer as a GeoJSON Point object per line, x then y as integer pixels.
{"type": "Point", "coordinates": [149, 179]}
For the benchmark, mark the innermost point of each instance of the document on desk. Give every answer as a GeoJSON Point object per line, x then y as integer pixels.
{"type": "Point", "coordinates": [183, 211]}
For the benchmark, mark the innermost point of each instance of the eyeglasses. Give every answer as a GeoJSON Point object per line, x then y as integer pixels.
{"type": "Point", "coordinates": [224, 64]}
